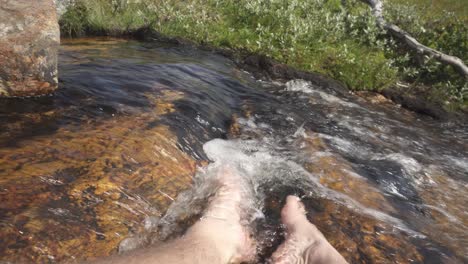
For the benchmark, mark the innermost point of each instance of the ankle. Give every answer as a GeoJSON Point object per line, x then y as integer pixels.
{"type": "Point", "coordinates": [212, 233]}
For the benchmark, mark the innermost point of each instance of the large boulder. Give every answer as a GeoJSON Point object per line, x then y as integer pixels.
{"type": "Point", "coordinates": [29, 42]}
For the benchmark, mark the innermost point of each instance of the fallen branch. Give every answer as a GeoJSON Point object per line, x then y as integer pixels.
{"type": "Point", "coordinates": [455, 62]}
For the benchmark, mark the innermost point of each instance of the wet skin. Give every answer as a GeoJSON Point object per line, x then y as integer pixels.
{"type": "Point", "coordinates": [304, 242]}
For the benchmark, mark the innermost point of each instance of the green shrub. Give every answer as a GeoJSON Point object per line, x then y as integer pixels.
{"type": "Point", "coordinates": [106, 17]}
{"type": "Point", "coordinates": [74, 21]}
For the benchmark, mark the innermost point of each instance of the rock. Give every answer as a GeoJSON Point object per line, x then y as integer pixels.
{"type": "Point", "coordinates": [132, 243]}
{"type": "Point", "coordinates": [112, 184]}
{"type": "Point", "coordinates": [29, 41]}
{"type": "Point", "coordinates": [414, 102]}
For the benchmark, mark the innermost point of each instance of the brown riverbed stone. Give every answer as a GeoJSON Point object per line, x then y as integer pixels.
{"type": "Point", "coordinates": [336, 173]}
{"type": "Point", "coordinates": [364, 239]}
{"type": "Point", "coordinates": [29, 41]}
{"type": "Point", "coordinates": [445, 205]}
{"type": "Point", "coordinates": [360, 238]}
{"type": "Point", "coordinates": [374, 98]}
{"type": "Point", "coordinates": [78, 193]}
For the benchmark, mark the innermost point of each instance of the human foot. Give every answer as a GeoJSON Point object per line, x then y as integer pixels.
{"type": "Point", "coordinates": [304, 242]}
{"type": "Point", "coordinates": [221, 222]}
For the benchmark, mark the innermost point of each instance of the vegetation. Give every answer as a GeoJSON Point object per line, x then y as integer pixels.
{"type": "Point", "coordinates": [334, 37]}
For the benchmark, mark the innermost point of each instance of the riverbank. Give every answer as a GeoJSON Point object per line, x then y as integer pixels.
{"type": "Point", "coordinates": [341, 42]}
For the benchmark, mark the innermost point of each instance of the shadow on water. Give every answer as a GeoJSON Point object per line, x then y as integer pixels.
{"type": "Point", "coordinates": [106, 156]}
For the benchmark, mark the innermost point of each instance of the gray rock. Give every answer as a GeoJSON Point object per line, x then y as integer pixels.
{"type": "Point", "coordinates": [132, 243]}
{"type": "Point", "coordinates": [143, 238]}
{"type": "Point", "coordinates": [29, 42]}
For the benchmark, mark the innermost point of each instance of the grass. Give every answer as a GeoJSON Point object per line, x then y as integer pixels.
{"type": "Point", "coordinates": [429, 8]}
{"type": "Point", "coordinates": [336, 38]}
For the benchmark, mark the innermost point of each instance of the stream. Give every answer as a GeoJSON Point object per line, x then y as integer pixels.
{"type": "Point", "coordinates": [126, 147]}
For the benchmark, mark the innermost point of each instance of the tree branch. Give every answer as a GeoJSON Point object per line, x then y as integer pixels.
{"type": "Point", "coordinates": [394, 30]}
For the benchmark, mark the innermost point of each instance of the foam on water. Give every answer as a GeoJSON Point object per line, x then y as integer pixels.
{"type": "Point", "coordinates": [346, 146]}
{"type": "Point", "coordinates": [410, 165]}
{"type": "Point", "coordinates": [306, 87]}
{"type": "Point", "coordinates": [262, 168]}
{"type": "Point", "coordinates": [461, 163]}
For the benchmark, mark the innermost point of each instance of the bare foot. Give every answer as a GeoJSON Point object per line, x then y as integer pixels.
{"type": "Point", "coordinates": [304, 242]}
{"type": "Point", "coordinates": [221, 222]}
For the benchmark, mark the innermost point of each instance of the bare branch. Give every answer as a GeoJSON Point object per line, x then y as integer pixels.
{"type": "Point", "coordinates": [394, 30]}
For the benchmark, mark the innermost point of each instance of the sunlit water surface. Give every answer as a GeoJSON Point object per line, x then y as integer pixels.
{"type": "Point", "coordinates": [135, 124]}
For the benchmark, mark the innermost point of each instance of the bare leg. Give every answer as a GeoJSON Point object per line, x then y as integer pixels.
{"type": "Point", "coordinates": [304, 242]}
{"type": "Point", "coordinates": [218, 237]}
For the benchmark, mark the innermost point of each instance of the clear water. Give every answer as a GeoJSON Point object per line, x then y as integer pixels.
{"type": "Point", "coordinates": [128, 145]}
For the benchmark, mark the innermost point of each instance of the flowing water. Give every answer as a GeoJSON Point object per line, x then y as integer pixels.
{"type": "Point", "coordinates": [135, 124]}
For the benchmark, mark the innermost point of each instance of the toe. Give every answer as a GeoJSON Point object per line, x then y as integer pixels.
{"type": "Point", "coordinates": [293, 212]}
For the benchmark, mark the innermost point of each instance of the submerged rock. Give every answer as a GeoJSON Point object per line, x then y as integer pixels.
{"type": "Point", "coordinates": [29, 41]}
{"type": "Point", "coordinates": [88, 189]}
